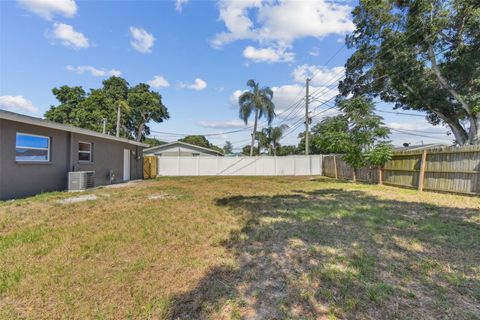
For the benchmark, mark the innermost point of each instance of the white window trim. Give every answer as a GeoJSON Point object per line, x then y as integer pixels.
{"type": "Point", "coordinates": [83, 151]}
{"type": "Point", "coordinates": [32, 148]}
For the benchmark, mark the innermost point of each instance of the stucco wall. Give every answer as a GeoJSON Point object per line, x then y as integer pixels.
{"type": "Point", "coordinates": [107, 155]}
{"type": "Point", "coordinates": [19, 179]}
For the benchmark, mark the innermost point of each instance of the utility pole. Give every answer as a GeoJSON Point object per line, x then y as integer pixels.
{"type": "Point", "coordinates": [118, 121]}
{"type": "Point", "coordinates": [307, 118]}
{"type": "Point", "coordinates": [104, 126]}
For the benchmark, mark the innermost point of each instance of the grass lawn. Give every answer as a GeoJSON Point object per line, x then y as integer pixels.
{"type": "Point", "coordinates": [242, 247]}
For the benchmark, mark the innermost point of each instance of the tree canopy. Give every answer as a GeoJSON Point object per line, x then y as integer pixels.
{"type": "Point", "coordinates": [200, 141]}
{"type": "Point", "coordinates": [153, 142]}
{"type": "Point", "coordinates": [269, 138]}
{"type": "Point", "coordinates": [140, 105]}
{"type": "Point", "coordinates": [228, 148]}
{"type": "Point", "coordinates": [358, 133]}
{"type": "Point", "coordinates": [422, 55]}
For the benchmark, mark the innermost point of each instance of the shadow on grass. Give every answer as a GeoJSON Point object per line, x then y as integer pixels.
{"type": "Point", "coordinates": [346, 254]}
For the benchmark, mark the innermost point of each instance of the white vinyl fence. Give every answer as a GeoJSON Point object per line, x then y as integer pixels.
{"type": "Point", "coordinates": [240, 166]}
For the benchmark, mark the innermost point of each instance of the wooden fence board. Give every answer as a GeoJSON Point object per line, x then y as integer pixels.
{"type": "Point", "coordinates": [451, 169]}
{"type": "Point", "coordinates": [149, 167]}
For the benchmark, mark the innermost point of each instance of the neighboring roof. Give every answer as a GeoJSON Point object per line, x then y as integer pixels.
{"type": "Point", "coordinates": [421, 147]}
{"type": "Point", "coordinates": [188, 145]}
{"type": "Point", "coordinates": [54, 125]}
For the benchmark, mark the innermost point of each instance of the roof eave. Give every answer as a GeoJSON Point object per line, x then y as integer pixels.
{"type": "Point", "coordinates": [12, 116]}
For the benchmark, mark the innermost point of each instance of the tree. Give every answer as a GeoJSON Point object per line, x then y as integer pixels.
{"type": "Point", "coordinates": [200, 141]}
{"type": "Point", "coordinates": [378, 156]}
{"type": "Point", "coordinates": [259, 101]}
{"type": "Point", "coordinates": [358, 134]}
{"type": "Point", "coordinates": [197, 140]}
{"type": "Point", "coordinates": [287, 150]}
{"type": "Point", "coordinates": [137, 105]}
{"type": "Point", "coordinates": [246, 151]}
{"type": "Point", "coordinates": [146, 105]}
{"type": "Point", "coordinates": [327, 136]}
{"type": "Point", "coordinates": [270, 138]}
{"type": "Point", "coordinates": [115, 93]}
{"type": "Point", "coordinates": [228, 148]}
{"type": "Point", "coordinates": [365, 130]}
{"type": "Point", "coordinates": [421, 55]}
{"type": "Point", "coordinates": [70, 98]}
{"type": "Point", "coordinates": [153, 142]}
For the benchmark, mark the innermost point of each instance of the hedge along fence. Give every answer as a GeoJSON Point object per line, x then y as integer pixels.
{"type": "Point", "coordinates": [451, 169]}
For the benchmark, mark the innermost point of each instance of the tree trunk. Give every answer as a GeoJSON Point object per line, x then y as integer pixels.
{"type": "Point", "coordinates": [254, 133]}
{"type": "Point", "coordinates": [475, 132]}
{"type": "Point", "coordinates": [474, 123]}
{"type": "Point", "coordinates": [140, 132]}
{"type": "Point", "coordinates": [461, 136]}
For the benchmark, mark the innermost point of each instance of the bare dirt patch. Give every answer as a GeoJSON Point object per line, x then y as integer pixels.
{"type": "Point", "coordinates": [82, 198]}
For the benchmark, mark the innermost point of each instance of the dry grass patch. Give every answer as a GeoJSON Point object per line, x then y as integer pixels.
{"type": "Point", "coordinates": [241, 247]}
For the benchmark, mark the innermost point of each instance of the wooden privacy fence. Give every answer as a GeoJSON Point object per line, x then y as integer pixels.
{"type": "Point", "coordinates": [149, 167]}
{"type": "Point", "coordinates": [450, 169]}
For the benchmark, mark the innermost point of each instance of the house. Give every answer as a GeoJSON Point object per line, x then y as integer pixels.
{"type": "Point", "coordinates": [181, 149]}
{"type": "Point", "coordinates": [36, 155]}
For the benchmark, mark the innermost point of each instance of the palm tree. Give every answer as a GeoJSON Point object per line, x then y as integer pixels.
{"type": "Point", "coordinates": [258, 100]}
{"type": "Point", "coordinates": [272, 136]}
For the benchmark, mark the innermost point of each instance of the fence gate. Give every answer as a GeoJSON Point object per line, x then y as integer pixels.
{"type": "Point", "coordinates": [149, 167]}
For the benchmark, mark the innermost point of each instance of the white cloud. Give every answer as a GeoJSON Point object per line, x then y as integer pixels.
{"type": "Point", "coordinates": [226, 124]}
{"type": "Point", "coordinates": [323, 75]}
{"type": "Point", "coordinates": [280, 23]}
{"type": "Point", "coordinates": [158, 82]}
{"type": "Point", "coordinates": [47, 9]}
{"type": "Point", "coordinates": [198, 85]}
{"type": "Point", "coordinates": [17, 104]}
{"type": "Point", "coordinates": [93, 71]}
{"type": "Point", "coordinates": [179, 4]}
{"type": "Point", "coordinates": [315, 51]}
{"type": "Point", "coordinates": [142, 41]}
{"type": "Point", "coordinates": [234, 97]}
{"type": "Point", "coordinates": [69, 37]}
{"type": "Point", "coordinates": [270, 55]}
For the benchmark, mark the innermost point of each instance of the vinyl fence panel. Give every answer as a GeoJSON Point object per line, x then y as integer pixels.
{"type": "Point", "coordinates": [240, 166]}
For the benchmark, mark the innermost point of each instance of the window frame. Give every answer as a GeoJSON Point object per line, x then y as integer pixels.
{"type": "Point", "coordinates": [83, 151]}
{"type": "Point", "coordinates": [48, 148]}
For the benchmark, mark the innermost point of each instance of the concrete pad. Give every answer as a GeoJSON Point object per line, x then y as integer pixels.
{"type": "Point", "coordinates": [87, 197]}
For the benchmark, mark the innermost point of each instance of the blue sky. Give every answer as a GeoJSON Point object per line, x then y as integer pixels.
{"type": "Point", "coordinates": [197, 54]}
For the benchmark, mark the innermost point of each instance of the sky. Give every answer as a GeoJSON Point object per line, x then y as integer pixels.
{"type": "Point", "coordinates": [197, 54]}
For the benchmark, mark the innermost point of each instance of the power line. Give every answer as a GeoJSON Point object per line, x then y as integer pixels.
{"type": "Point", "coordinates": [417, 135]}
{"type": "Point", "coordinates": [385, 52]}
{"type": "Point", "coordinates": [402, 113]}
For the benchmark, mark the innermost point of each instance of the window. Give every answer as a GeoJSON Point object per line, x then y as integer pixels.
{"type": "Point", "coordinates": [195, 154]}
{"type": "Point", "coordinates": [30, 147]}
{"type": "Point", "coordinates": [84, 151]}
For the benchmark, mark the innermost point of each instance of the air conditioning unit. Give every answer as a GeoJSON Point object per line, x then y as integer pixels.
{"type": "Point", "coordinates": [81, 180]}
